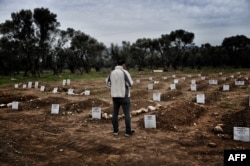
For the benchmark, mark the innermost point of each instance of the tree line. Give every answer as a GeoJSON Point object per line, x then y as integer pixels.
{"type": "Point", "coordinates": [32, 42]}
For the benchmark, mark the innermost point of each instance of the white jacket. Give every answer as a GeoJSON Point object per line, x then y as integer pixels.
{"type": "Point", "coordinates": [119, 82]}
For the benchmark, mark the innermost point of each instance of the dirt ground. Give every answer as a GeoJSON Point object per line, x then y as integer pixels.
{"type": "Point", "coordinates": [185, 131]}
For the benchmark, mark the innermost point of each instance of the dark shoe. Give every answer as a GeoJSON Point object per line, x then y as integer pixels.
{"type": "Point", "coordinates": [129, 134]}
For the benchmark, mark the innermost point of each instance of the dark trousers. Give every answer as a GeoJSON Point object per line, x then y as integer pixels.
{"type": "Point", "coordinates": [125, 103]}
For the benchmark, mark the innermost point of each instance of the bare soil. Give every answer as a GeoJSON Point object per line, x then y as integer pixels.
{"type": "Point", "coordinates": [184, 134]}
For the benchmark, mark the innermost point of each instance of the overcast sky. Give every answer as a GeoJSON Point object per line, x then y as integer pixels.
{"type": "Point", "coordinates": [114, 21]}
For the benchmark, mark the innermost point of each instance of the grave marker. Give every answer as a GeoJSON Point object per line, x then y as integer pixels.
{"type": "Point", "coordinates": [239, 83]}
{"type": "Point", "coordinates": [55, 109]}
{"type": "Point", "coordinates": [55, 90]}
{"type": "Point", "coordinates": [176, 81]}
{"type": "Point", "coordinates": [203, 78]}
{"type": "Point", "coordinates": [15, 105]}
{"type": "Point", "coordinates": [213, 82]}
{"type": "Point", "coordinates": [87, 92]}
{"type": "Point", "coordinates": [172, 86]}
{"type": "Point", "coordinates": [96, 112]}
{"type": "Point", "coordinates": [36, 84]}
{"type": "Point", "coordinates": [242, 134]}
{"type": "Point", "coordinates": [138, 80]}
{"type": "Point", "coordinates": [150, 86]}
{"type": "Point", "coordinates": [226, 88]}
{"type": "Point", "coordinates": [68, 81]}
{"type": "Point", "coordinates": [16, 86]}
{"type": "Point", "coordinates": [149, 121]}
{"type": "Point", "coordinates": [193, 87]}
{"type": "Point", "coordinates": [70, 91]}
{"type": "Point", "coordinates": [156, 96]}
{"type": "Point", "coordinates": [64, 82]}
{"type": "Point", "coordinates": [42, 88]}
{"type": "Point", "coordinates": [193, 81]}
{"type": "Point", "coordinates": [164, 78]}
{"type": "Point", "coordinates": [200, 98]}
{"type": "Point", "coordinates": [29, 84]}
{"type": "Point", "coordinates": [24, 86]}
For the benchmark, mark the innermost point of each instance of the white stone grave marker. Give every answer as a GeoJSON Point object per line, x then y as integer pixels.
{"type": "Point", "coordinates": [96, 112]}
{"type": "Point", "coordinates": [87, 92]}
{"type": "Point", "coordinates": [224, 78]}
{"type": "Point", "coordinates": [138, 80]}
{"type": "Point", "coordinates": [213, 82]}
{"type": "Point", "coordinates": [200, 98]}
{"type": "Point", "coordinates": [16, 86]}
{"type": "Point", "coordinates": [55, 90]}
{"type": "Point", "coordinates": [172, 86]}
{"type": "Point", "coordinates": [226, 87]}
{"type": "Point", "coordinates": [242, 134]}
{"type": "Point", "coordinates": [149, 121]}
{"type": "Point", "coordinates": [193, 81]}
{"type": "Point", "coordinates": [55, 109]}
{"type": "Point", "coordinates": [150, 78]}
{"type": "Point", "coordinates": [174, 76]}
{"type": "Point", "coordinates": [150, 86]}
{"type": "Point", "coordinates": [70, 91]}
{"type": "Point", "coordinates": [36, 84]}
{"type": "Point", "coordinates": [64, 82]}
{"type": "Point", "coordinates": [176, 81]}
{"type": "Point", "coordinates": [193, 87]}
{"type": "Point", "coordinates": [156, 96]}
{"type": "Point", "coordinates": [156, 82]}
{"type": "Point", "coordinates": [239, 83]}
{"type": "Point", "coordinates": [15, 105]}
{"type": "Point", "coordinates": [203, 78]}
{"type": "Point", "coordinates": [24, 86]}
{"type": "Point", "coordinates": [42, 88]}
{"type": "Point", "coordinates": [29, 84]}
{"type": "Point", "coordinates": [164, 78]}
{"type": "Point", "coordinates": [68, 82]}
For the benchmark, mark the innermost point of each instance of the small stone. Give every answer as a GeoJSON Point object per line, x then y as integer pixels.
{"type": "Point", "coordinates": [212, 144]}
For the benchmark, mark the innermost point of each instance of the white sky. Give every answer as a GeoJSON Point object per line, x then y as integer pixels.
{"type": "Point", "coordinates": [114, 21]}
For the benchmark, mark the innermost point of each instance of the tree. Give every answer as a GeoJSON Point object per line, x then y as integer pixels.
{"type": "Point", "coordinates": [47, 25]}
{"type": "Point", "coordinates": [87, 51]}
{"type": "Point", "coordinates": [180, 40]}
{"type": "Point", "coordinates": [162, 45]}
{"type": "Point", "coordinates": [139, 51]}
{"type": "Point", "coordinates": [236, 46]}
{"type": "Point", "coordinates": [31, 32]}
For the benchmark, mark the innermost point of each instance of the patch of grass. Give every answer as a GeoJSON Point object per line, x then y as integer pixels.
{"type": "Point", "coordinates": [48, 76]}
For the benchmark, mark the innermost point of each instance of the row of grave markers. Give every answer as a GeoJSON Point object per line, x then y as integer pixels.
{"type": "Point", "coordinates": [240, 133]}
{"type": "Point", "coordinates": [36, 84]}
{"type": "Point", "coordinates": [55, 89]}
{"type": "Point", "coordinates": [193, 84]}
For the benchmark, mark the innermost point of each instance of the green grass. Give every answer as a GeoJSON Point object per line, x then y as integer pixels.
{"type": "Point", "coordinates": [49, 77]}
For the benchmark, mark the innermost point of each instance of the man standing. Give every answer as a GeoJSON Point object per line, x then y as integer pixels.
{"type": "Point", "coordinates": [119, 82]}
